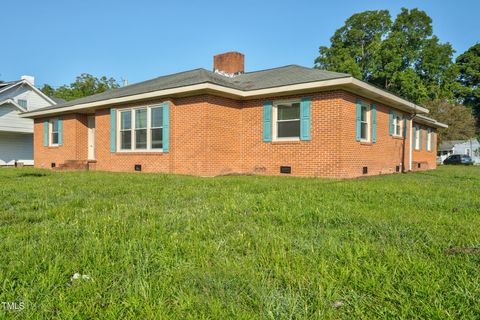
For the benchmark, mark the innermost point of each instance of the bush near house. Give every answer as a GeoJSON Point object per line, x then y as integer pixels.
{"type": "Point", "coordinates": [165, 246]}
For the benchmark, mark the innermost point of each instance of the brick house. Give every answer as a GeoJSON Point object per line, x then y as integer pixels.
{"type": "Point", "coordinates": [288, 120]}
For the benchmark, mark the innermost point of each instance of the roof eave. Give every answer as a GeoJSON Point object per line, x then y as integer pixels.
{"type": "Point", "coordinates": [12, 102]}
{"type": "Point", "coordinates": [430, 122]}
{"type": "Point", "coordinates": [347, 83]}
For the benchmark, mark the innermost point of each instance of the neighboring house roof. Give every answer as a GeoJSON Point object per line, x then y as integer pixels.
{"type": "Point", "coordinates": [447, 145]}
{"type": "Point", "coordinates": [13, 103]}
{"type": "Point", "coordinates": [7, 85]}
{"type": "Point", "coordinates": [450, 144]}
{"type": "Point", "coordinates": [13, 84]}
{"type": "Point", "coordinates": [278, 81]}
{"type": "Point", "coordinates": [58, 100]}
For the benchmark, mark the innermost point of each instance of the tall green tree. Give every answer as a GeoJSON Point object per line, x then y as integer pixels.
{"type": "Point", "coordinates": [84, 85]}
{"type": "Point", "coordinates": [461, 122]}
{"type": "Point", "coordinates": [355, 47]}
{"type": "Point", "coordinates": [468, 65]}
{"type": "Point", "coordinates": [402, 56]}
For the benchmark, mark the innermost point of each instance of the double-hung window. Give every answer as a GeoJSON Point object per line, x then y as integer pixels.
{"type": "Point", "coordinates": [141, 129]}
{"type": "Point", "coordinates": [126, 130]}
{"type": "Point", "coordinates": [397, 124]}
{"type": "Point", "coordinates": [156, 128]}
{"type": "Point", "coordinates": [287, 120]}
{"type": "Point", "coordinates": [53, 132]}
{"type": "Point", "coordinates": [365, 123]}
{"type": "Point", "coordinates": [418, 132]}
{"type": "Point", "coordinates": [429, 139]}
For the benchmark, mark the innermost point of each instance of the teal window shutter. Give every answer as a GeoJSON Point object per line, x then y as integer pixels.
{"type": "Point", "coordinates": [60, 131]}
{"type": "Point", "coordinates": [415, 136]}
{"type": "Point", "coordinates": [420, 137]}
{"type": "Point", "coordinates": [432, 140]}
{"type": "Point", "coordinates": [390, 123]}
{"type": "Point", "coordinates": [45, 133]}
{"type": "Point", "coordinates": [374, 123]}
{"type": "Point", "coordinates": [405, 123]}
{"type": "Point", "coordinates": [113, 130]}
{"type": "Point", "coordinates": [166, 127]}
{"type": "Point", "coordinates": [359, 118]}
{"type": "Point", "coordinates": [267, 121]}
{"type": "Point", "coordinates": [305, 119]}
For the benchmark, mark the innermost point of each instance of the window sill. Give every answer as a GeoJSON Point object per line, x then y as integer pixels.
{"type": "Point", "coordinates": [397, 137]}
{"type": "Point", "coordinates": [286, 140]}
{"type": "Point", "coordinates": [280, 142]}
{"type": "Point", "coordinates": [157, 152]}
{"type": "Point", "coordinates": [53, 146]}
{"type": "Point", "coordinates": [366, 143]}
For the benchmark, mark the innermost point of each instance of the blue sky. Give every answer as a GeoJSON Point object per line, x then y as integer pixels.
{"type": "Point", "coordinates": [57, 40]}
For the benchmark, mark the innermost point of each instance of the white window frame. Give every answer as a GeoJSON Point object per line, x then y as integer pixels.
{"type": "Point", "coordinates": [429, 140]}
{"type": "Point", "coordinates": [150, 127]}
{"type": "Point", "coordinates": [417, 137]}
{"type": "Point", "coordinates": [368, 122]}
{"type": "Point", "coordinates": [133, 130]}
{"type": "Point", "coordinates": [275, 120]}
{"type": "Point", "coordinates": [397, 124]}
{"type": "Point", "coordinates": [119, 130]}
{"type": "Point", "coordinates": [26, 103]}
{"type": "Point", "coordinates": [50, 133]}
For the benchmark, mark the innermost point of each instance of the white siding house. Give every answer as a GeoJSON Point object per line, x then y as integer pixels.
{"type": "Point", "coordinates": [16, 133]}
{"type": "Point", "coordinates": [469, 147]}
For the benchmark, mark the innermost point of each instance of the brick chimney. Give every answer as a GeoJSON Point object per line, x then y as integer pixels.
{"type": "Point", "coordinates": [229, 63]}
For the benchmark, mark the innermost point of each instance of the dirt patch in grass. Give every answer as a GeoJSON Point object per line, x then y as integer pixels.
{"type": "Point", "coordinates": [462, 250]}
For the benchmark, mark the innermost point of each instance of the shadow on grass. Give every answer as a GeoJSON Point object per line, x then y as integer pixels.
{"type": "Point", "coordinates": [32, 174]}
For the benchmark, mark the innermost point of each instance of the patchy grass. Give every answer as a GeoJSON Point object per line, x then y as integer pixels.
{"type": "Point", "coordinates": [164, 246]}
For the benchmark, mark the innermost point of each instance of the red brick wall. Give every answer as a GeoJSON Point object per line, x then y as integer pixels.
{"type": "Point", "coordinates": [124, 161]}
{"type": "Point", "coordinates": [423, 159]}
{"type": "Point", "coordinates": [381, 157]}
{"type": "Point", "coordinates": [212, 135]}
{"type": "Point", "coordinates": [74, 141]}
{"type": "Point", "coordinates": [317, 157]}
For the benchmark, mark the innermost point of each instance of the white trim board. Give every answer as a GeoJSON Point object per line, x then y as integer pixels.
{"type": "Point", "coordinates": [347, 83]}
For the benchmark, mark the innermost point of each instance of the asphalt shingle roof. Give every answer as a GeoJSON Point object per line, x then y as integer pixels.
{"type": "Point", "coordinates": [288, 75]}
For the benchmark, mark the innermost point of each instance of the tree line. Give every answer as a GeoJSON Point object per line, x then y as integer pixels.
{"type": "Point", "coordinates": [404, 57]}
{"type": "Point", "coordinates": [84, 85]}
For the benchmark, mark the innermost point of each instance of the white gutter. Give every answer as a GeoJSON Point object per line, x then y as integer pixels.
{"type": "Point", "coordinates": [345, 83]}
{"type": "Point", "coordinates": [429, 121]}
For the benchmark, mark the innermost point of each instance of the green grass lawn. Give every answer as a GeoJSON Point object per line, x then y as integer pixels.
{"type": "Point", "coordinates": [165, 246]}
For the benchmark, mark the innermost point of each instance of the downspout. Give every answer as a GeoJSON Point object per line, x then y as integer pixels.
{"type": "Point", "coordinates": [410, 162]}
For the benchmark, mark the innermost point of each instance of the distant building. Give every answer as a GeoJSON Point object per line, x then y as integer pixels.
{"type": "Point", "coordinates": [16, 133]}
{"type": "Point", "coordinates": [469, 147]}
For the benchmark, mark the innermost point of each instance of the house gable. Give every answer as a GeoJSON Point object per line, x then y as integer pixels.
{"type": "Point", "coordinates": [23, 90]}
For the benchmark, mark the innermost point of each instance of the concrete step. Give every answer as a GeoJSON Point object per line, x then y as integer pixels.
{"type": "Point", "coordinates": [72, 165]}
